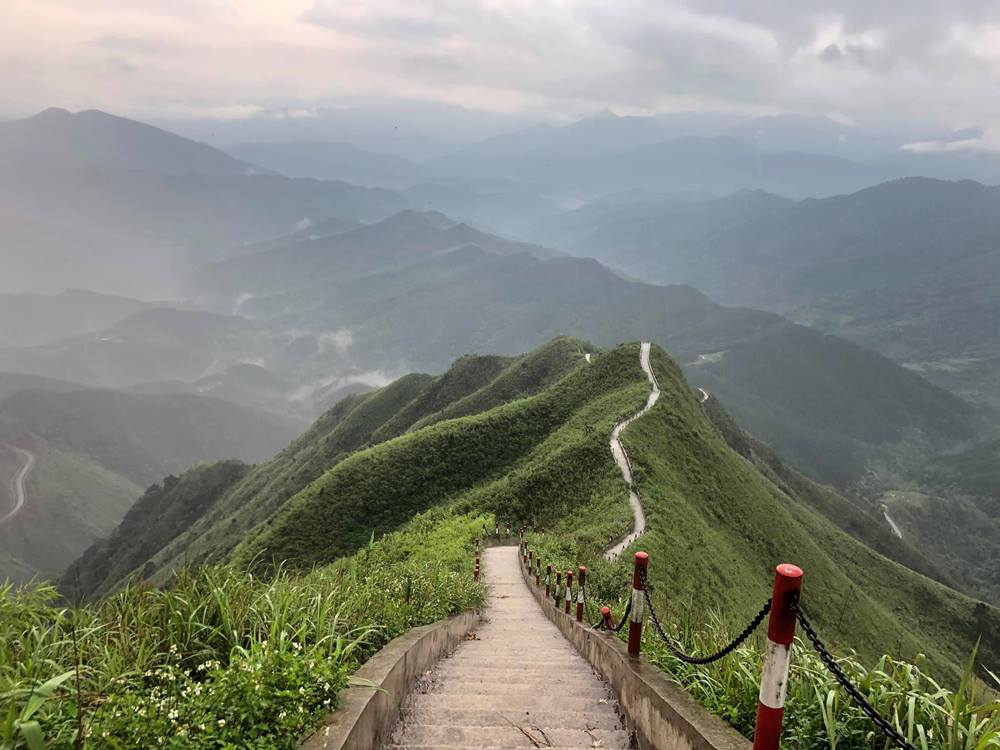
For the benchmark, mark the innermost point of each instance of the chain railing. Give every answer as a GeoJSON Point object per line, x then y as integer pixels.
{"type": "Point", "coordinates": [722, 652]}
{"type": "Point", "coordinates": [880, 722]}
{"type": "Point", "coordinates": [783, 611]}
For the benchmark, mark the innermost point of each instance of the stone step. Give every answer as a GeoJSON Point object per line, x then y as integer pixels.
{"type": "Point", "coordinates": [513, 736]}
{"type": "Point", "coordinates": [578, 689]}
{"type": "Point", "coordinates": [602, 717]}
{"type": "Point", "coordinates": [481, 747]}
{"type": "Point", "coordinates": [527, 672]}
{"type": "Point", "coordinates": [485, 702]}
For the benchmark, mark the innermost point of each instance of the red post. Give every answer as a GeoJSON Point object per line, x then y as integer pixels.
{"type": "Point", "coordinates": [555, 593]}
{"type": "Point", "coordinates": [582, 570]}
{"type": "Point", "coordinates": [635, 625]}
{"type": "Point", "coordinates": [606, 618]}
{"type": "Point", "coordinates": [538, 571]}
{"type": "Point", "coordinates": [774, 675]}
{"type": "Point", "coordinates": [569, 589]}
{"type": "Point", "coordinates": [548, 580]}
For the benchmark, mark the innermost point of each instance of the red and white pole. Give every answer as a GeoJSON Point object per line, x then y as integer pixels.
{"type": "Point", "coordinates": [606, 618]}
{"type": "Point", "coordinates": [774, 675]}
{"type": "Point", "coordinates": [569, 589]}
{"type": "Point", "coordinates": [555, 593]}
{"type": "Point", "coordinates": [582, 570]}
{"type": "Point", "coordinates": [538, 571]}
{"type": "Point", "coordinates": [635, 623]}
{"type": "Point", "coordinates": [548, 580]}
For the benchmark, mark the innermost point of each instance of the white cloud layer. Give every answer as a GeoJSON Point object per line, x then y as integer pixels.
{"type": "Point", "coordinates": [921, 59]}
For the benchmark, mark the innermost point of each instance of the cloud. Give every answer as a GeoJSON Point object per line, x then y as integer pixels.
{"type": "Point", "coordinates": [988, 141]}
{"type": "Point", "coordinates": [553, 58]}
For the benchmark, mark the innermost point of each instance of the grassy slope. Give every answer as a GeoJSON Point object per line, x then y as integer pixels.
{"type": "Point", "coordinates": [511, 457]}
{"type": "Point", "coordinates": [714, 518]}
{"type": "Point", "coordinates": [163, 511]}
{"type": "Point", "coordinates": [355, 422]}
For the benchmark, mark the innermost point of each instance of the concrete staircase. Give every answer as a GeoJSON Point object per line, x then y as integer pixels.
{"type": "Point", "coordinates": [519, 684]}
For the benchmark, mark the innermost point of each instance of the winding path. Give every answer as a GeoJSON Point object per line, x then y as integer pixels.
{"type": "Point", "coordinates": [621, 458]}
{"type": "Point", "coordinates": [17, 482]}
{"type": "Point", "coordinates": [892, 524]}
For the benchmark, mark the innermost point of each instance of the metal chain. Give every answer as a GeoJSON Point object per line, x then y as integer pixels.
{"type": "Point", "coordinates": [599, 625]}
{"type": "Point", "coordinates": [828, 659]}
{"type": "Point", "coordinates": [747, 631]}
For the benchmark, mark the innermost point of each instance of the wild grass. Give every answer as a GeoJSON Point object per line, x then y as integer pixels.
{"type": "Point", "coordinates": [220, 658]}
{"type": "Point", "coordinates": [819, 715]}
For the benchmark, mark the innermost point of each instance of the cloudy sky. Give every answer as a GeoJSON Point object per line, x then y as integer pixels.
{"type": "Point", "coordinates": [931, 61]}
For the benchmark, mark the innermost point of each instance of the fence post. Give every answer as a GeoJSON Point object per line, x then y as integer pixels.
{"type": "Point", "coordinates": [548, 579]}
{"type": "Point", "coordinates": [569, 589]}
{"type": "Point", "coordinates": [606, 618]}
{"type": "Point", "coordinates": [774, 675]}
{"type": "Point", "coordinates": [498, 530]}
{"type": "Point", "coordinates": [635, 625]}
{"type": "Point", "coordinates": [579, 594]}
{"type": "Point", "coordinates": [555, 593]}
{"type": "Point", "coordinates": [538, 570]}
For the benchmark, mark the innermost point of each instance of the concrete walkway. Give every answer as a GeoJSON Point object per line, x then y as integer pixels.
{"type": "Point", "coordinates": [621, 458]}
{"type": "Point", "coordinates": [520, 684]}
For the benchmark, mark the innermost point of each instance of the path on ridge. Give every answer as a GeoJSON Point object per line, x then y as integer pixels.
{"type": "Point", "coordinates": [520, 684]}
{"type": "Point", "coordinates": [17, 481]}
{"type": "Point", "coordinates": [621, 458]}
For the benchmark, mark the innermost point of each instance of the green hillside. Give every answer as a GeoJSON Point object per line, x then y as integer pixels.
{"type": "Point", "coordinates": [718, 520]}
{"type": "Point", "coordinates": [472, 384]}
{"type": "Point", "coordinates": [713, 517]}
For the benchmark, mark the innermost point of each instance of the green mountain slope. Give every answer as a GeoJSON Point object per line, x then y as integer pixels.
{"type": "Point", "coordinates": [472, 384]}
{"type": "Point", "coordinates": [718, 520]}
{"type": "Point", "coordinates": [164, 511]}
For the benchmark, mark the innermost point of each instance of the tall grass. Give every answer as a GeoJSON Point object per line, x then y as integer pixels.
{"type": "Point", "coordinates": [819, 715]}
{"type": "Point", "coordinates": [220, 658]}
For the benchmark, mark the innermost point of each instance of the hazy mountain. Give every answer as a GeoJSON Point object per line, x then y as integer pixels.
{"type": "Point", "coordinates": [95, 139]}
{"type": "Point", "coordinates": [414, 292]}
{"type": "Point", "coordinates": [133, 215]}
{"type": "Point", "coordinates": [32, 319]}
{"type": "Point", "coordinates": [330, 161]}
{"type": "Point", "coordinates": [909, 268]}
{"type": "Point", "coordinates": [607, 153]}
{"type": "Point", "coordinates": [151, 345]}
{"type": "Point", "coordinates": [94, 450]}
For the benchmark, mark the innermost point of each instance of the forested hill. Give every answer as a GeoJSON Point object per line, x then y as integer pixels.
{"type": "Point", "coordinates": [527, 438]}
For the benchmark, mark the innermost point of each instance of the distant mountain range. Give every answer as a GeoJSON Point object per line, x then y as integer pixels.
{"type": "Point", "coordinates": [909, 268]}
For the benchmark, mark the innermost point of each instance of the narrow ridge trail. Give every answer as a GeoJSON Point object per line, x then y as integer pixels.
{"type": "Point", "coordinates": [519, 684]}
{"type": "Point", "coordinates": [621, 458]}
{"type": "Point", "coordinates": [17, 481]}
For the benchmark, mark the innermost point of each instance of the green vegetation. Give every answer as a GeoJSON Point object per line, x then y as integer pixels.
{"type": "Point", "coordinates": [473, 384]}
{"type": "Point", "coordinates": [164, 511]}
{"type": "Point", "coordinates": [220, 658]}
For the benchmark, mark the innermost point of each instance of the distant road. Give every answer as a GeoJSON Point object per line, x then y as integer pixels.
{"type": "Point", "coordinates": [892, 524]}
{"type": "Point", "coordinates": [704, 395]}
{"type": "Point", "coordinates": [621, 458]}
{"type": "Point", "coordinates": [17, 482]}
